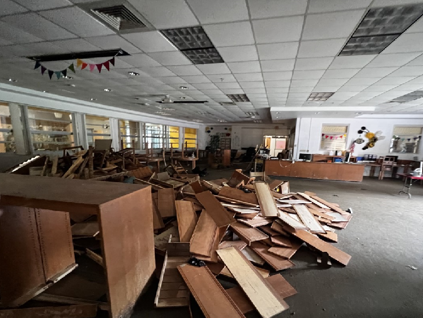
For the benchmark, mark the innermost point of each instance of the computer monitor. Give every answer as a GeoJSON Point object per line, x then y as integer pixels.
{"type": "Point", "coordinates": [305, 156]}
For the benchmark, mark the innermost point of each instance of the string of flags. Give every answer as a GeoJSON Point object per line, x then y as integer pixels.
{"type": "Point", "coordinates": [333, 137]}
{"type": "Point", "coordinates": [79, 63]}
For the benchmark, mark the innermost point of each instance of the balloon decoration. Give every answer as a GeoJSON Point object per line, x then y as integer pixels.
{"type": "Point", "coordinates": [372, 138]}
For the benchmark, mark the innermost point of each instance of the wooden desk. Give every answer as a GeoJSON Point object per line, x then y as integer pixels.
{"type": "Point", "coordinates": [315, 170]}
{"type": "Point", "coordinates": [186, 159]}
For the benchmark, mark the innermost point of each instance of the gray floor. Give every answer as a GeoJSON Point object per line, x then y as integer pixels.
{"type": "Point", "coordinates": [384, 237]}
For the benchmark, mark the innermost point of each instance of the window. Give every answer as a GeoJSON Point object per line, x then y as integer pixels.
{"type": "Point", "coordinates": [190, 138]}
{"type": "Point", "coordinates": [406, 139]}
{"type": "Point", "coordinates": [153, 135]}
{"type": "Point", "coordinates": [97, 128]}
{"type": "Point", "coordinates": [129, 134]}
{"type": "Point", "coordinates": [333, 138]}
{"type": "Point", "coordinates": [7, 142]}
{"type": "Point", "coordinates": [50, 130]}
{"type": "Point", "coordinates": [173, 137]}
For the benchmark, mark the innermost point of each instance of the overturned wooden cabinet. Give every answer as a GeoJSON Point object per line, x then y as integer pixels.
{"type": "Point", "coordinates": [36, 247]}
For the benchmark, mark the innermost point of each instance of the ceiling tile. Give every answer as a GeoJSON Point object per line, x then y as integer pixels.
{"type": "Point", "coordinates": [277, 51]}
{"type": "Point", "coordinates": [245, 67]}
{"type": "Point", "coordinates": [38, 26]}
{"type": "Point", "coordinates": [362, 81]}
{"type": "Point", "coordinates": [416, 27]}
{"type": "Point", "coordinates": [238, 53]}
{"type": "Point", "coordinates": [276, 8]}
{"type": "Point", "coordinates": [259, 84]}
{"type": "Point", "coordinates": [272, 84]}
{"type": "Point", "coordinates": [217, 11]}
{"type": "Point", "coordinates": [215, 68]}
{"type": "Point", "coordinates": [76, 45]}
{"type": "Point", "coordinates": [196, 79]}
{"type": "Point", "coordinates": [16, 35]}
{"type": "Point", "coordinates": [301, 89]}
{"type": "Point", "coordinates": [319, 63]}
{"type": "Point", "coordinates": [43, 5]}
{"type": "Point", "coordinates": [140, 60]}
{"type": "Point", "coordinates": [331, 25]}
{"type": "Point", "coordinates": [277, 65]}
{"type": "Point", "coordinates": [170, 58]}
{"type": "Point", "coordinates": [406, 43]}
{"type": "Point", "coordinates": [204, 86]}
{"type": "Point", "coordinates": [381, 3]}
{"type": "Point", "coordinates": [278, 29]}
{"type": "Point", "coordinates": [277, 76]}
{"type": "Point", "coordinates": [345, 73]}
{"type": "Point", "coordinates": [5, 42]}
{"type": "Point", "coordinates": [408, 71]}
{"type": "Point", "coordinates": [320, 48]}
{"type": "Point", "coordinates": [172, 80]}
{"type": "Point", "coordinates": [394, 80]}
{"type": "Point", "coordinates": [249, 77]}
{"type": "Point", "coordinates": [110, 42]}
{"type": "Point", "coordinates": [375, 71]}
{"type": "Point", "coordinates": [227, 85]}
{"type": "Point", "coordinates": [233, 91]}
{"type": "Point", "coordinates": [77, 21]}
{"type": "Point", "coordinates": [333, 82]}
{"type": "Point", "coordinates": [219, 78]}
{"type": "Point", "coordinates": [308, 74]}
{"type": "Point", "coordinates": [379, 88]}
{"type": "Point", "coordinates": [149, 42]}
{"type": "Point", "coordinates": [317, 6]}
{"type": "Point", "coordinates": [270, 90]}
{"type": "Point", "coordinates": [9, 7]}
{"type": "Point", "coordinates": [166, 14]}
{"type": "Point", "coordinates": [230, 34]}
{"type": "Point", "coordinates": [341, 62]}
{"type": "Point", "coordinates": [40, 48]}
{"type": "Point", "coordinates": [302, 83]}
{"type": "Point", "coordinates": [352, 88]}
{"type": "Point", "coordinates": [399, 59]}
{"type": "Point", "coordinates": [185, 70]}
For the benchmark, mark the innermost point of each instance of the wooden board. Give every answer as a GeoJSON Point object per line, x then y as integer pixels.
{"type": "Point", "coordinates": [86, 229]}
{"type": "Point", "coordinates": [330, 236]}
{"type": "Point", "coordinates": [256, 221]}
{"type": "Point", "coordinates": [279, 229]}
{"type": "Point", "coordinates": [203, 236]}
{"type": "Point", "coordinates": [262, 295]}
{"type": "Point", "coordinates": [308, 219]}
{"type": "Point", "coordinates": [286, 252]}
{"type": "Point", "coordinates": [166, 202]}
{"type": "Point", "coordinates": [286, 219]}
{"type": "Point", "coordinates": [187, 219]}
{"type": "Point", "coordinates": [280, 284]}
{"type": "Point", "coordinates": [252, 256]}
{"type": "Point", "coordinates": [323, 246]}
{"type": "Point", "coordinates": [213, 207]}
{"type": "Point", "coordinates": [157, 218]}
{"type": "Point", "coordinates": [278, 263]}
{"type": "Point", "coordinates": [237, 177]}
{"type": "Point", "coordinates": [238, 195]}
{"type": "Point", "coordinates": [74, 311]}
{"type": "Point", "coordinates": [281, 241]}
{"type": "Point", "coordinates": [235, 201]}
{"type": "Point", "coordinates": [209, 294]}
{"type": "Point", "coordinates": [328, 204]}
{"type": "Point", "coordinates": [239, 245]}
{"type": "Point", "coordinates": [266, 200]}
{"type": "Point", "coordinates": [316, 202]}
{"type": "Point", "coordinates": [268, 230]}
{"type": "Point", "coordinates": [247, 233]}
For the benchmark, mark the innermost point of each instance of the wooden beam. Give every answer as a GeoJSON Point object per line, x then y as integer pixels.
{"type": "Point", "coordinates": [263, 296]}
{"type": "Point", "coordinates": [265, 199]}
{"type": "Point", "coordinates": [166, 202]}
{"type": "Point", "coordinates": [238, 195]}
{"type": "Point", "coordinates": [285, 218]}
{"type": "Point", "coordinates": [203, 236]}
{"type": "Point", "coordinates": [213, 207]}
{"type": "Point", "coordinates": [278, 263]}
{"type": "Point", "coordinates": [74, 311]}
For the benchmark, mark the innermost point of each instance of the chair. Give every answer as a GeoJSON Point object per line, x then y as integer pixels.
{"type": "Point", "coordinates": [387, 164]}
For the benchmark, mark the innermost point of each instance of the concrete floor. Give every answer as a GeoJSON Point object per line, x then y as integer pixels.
{"type": "Point", "coordinates": [384, 236]}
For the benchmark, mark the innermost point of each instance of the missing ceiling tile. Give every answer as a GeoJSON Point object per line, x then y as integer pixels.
{"type": "Point", "coordinates": [316, 96]}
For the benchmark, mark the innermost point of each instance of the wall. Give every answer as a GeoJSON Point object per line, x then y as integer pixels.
{"type": "Point", "coordinates": [309, 132]}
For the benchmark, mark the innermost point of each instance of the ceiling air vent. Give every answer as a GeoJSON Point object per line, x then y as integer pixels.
{"type": "Point", "coordinates": [227, 103]}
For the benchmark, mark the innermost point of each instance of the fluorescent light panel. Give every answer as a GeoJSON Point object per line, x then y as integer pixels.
{"type": "Point", "coordinates": [238, 98]}
{"type": "Point", "coordinates": [323, 96]}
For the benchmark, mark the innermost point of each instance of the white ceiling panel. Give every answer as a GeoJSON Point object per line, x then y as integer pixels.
{"type": "Point", "coordinates": [302, 83]}
{"type": "Point", "coordinates": [303, 89]}
{"type": "Point", "coordinates": [230, 34]}
{"type": "Point", "coordinates": [220, 78]}
{"type": "Point", "coordinates": [276, 8]}
{"type": "Point", "coordinates": [320, 48]}
{"type": "Point", "coordinates": [77, 21]}
{"type": "Point", "coordinates": [399, 59]}
{"type": "Point", "coordinates": [166, 13]}
{"type": "Point", "coordinates": [394, 80]}
{"type": "Point", "coordinates": [217, 11]}
{"type": "Point", "coordinates": [277, 65]}
{"type": "Point", "coordinates": [76, 45]}
{"type": "Point", "coordinates": [170, 58]}
{"type": "Point", "coordinates": [319, 63]}
{"type": "Point", "coordinates": [345, 73]}
{"type": "Point", "coordinates": [277, 51]}
{"type": "Point", "coordinates": [245, 67]}
{"type": "Point", "coordinates": [184, 70]}
{"type": "Point", "coordinates": [38, 26]}
{"type": "Point", "coordinates": [196, 79]}
{"type": "Point", "coordinates": [317, 6]}
{"type": "Point", "coordinates": [375, 71]}
{"type": "Point", "coordinates": [8, 7]}
{"type": "Point", "coordinates": [331, 25]}
{"type": "Point", "coordinates": [278, 29]}
{"type": "Point", "coordinates": [276, 84]}
{"type": "Point", "coordinates": [245, 85]}
{"type": "Point", "coordinates": [277, 90]}
{"type": "Point", "coordinates": [249, 77]}
{"type": "Point", "coordinates": [140, 60]}
{"type": "Point", "coordinates": [276, 76]}
{"type": "Point", "coordinates": [308, 74]}
{"type": "Point", "coordinates": [205, 86]}
{"type": "Point", "coordinates": [215, 68]}
{"type": "Point", "coordinates": [406, 43]}
{"type": "Point", "coordinates": [44, 4]}
{"type": "Point", "coordinates": [15, 35]}
{"type": "Point", "coordinates": [110, 42]}
{"type": "Point", "coordinates": [149, 42]}
{"type": "Point", "coordinates": [238, 53]}
{"type": "Point", "coordinates": [415, 27]}
{"type": "Point", "coordinates": [362, 81]}
{"type": "Point", "coordinates": [359, 61]}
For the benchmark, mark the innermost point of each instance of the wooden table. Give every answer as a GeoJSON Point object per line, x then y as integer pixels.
{"type": "Point", "coordinates": [186, 159]}
{"type": "Point", "coordinates": [407, 186]}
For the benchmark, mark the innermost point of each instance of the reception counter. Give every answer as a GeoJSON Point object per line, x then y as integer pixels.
{"type": "Point", "coordinates": [315, 170]}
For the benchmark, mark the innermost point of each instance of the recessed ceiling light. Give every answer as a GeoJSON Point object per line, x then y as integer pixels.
{"type": "Point", "coordinates": [324, 96]}
{"type": "Point", "coordinates": [182, 97]}
{"type": "Point", "coordinates": [93, 99]}
{"type": "Point", "coordinates": [107, 89]}
{"type": "Point", "coordinates": [68, 77]}
{"type": "Point", "coordinates": [277, 117]}
{"type": "Point", "coordinates": [183, 87]}
{"type": "Point", "coordinates": [188, 38]}
{"type": "Point", "coordinates": [317, 113]}
{"type": "Point", "coordinates": [134, 73]}
{"type": "Point", "coordinates": [238, 98]}
{"type": "Point", "coordinates": [44, 91]}
{"type": "Point", "coordinates": [12, 80]}
{"type": "Point", "coordinates": [72, 85]}
{"type": "Point", "coordinates": [221, 121]}
{"type": "Point", "coordinates": [251, 114]}
{"type": "Point", "coordinates": [358, 113]}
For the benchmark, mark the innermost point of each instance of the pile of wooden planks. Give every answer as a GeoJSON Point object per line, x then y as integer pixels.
{"type": "Point", "coordinates": [243, 230]}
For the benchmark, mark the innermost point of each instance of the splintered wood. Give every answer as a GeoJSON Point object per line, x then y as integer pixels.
{"type": "Point", "coordinates": [243, 231]}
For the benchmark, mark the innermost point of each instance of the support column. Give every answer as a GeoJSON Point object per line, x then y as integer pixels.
{"type": "Point", "coordinates": [19, 132]}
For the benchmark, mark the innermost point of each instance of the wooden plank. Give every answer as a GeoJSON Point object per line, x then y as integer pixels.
{"type": "Point", "coordinates": [237, 177]}
{"type": "Point", "coordinates": [263, 296]}
{"type": "Point", "coordinates": [74, 166]}
{"type": "Point", "coordinates": [247, 233]}
{"type": "Point", "coordinates": [286, 252]}
{"type": "Point", "coordinates": [239, 245]}
{"type": "Point", "coordinates": [323, 246]}
{"type": "Point", "coordinates": [157, 218]}
{"type": "Point", "coordinates": [263, 272]}
{"type": "Point", "coordinates": [266, 200]}
{"type": "Point", "coordinates": [95, 257]}
{"type": "Point", "coordinates": [252, 256]}
{"type": "Point", "coordinates": [329, 235]}
{"type": "Point", "coordinates": [64, 300]}
{"type": "Point", "coordinates": [238, 195]}
{"type": "Point", "coordinates": [278, 263]}
{"type": "Point", "coordinates": [276, 227]}
{"type": "Point", "coordinates": [281, 241]}
{"type": "Point", "coordinates": [286, 219]}
{"type": "Point", "coordinates": [280, 284]}
{"type": "Point", "coordinates": [187, 219]}
{"type": "Point", "coordinates": [44, 167]}
{"type": "Point", "coordinates": [256, 222]}
{"type": "Point", "coordinates": [86, 229]}
{"type": "Point", "coordinates": [328, 204]}
{"type": "Point", "coordinates": [203, 236]}
{"type": "Point", "coordinates": [285, 188]}
{"type": "Point", "coordinates": [54, 165]}
{"type": "Point", "coordinates": [215, 209]}
{"type": "Point", "coordinates": [235, 201]}
{"type": "Point", "coordinates": [166, 202]}
{"type": "Point", "coordinates": [308, 219]}
{"type": "Point", "coordinates": [74, 311]}
{"type": "Point", "coordinates": [316, 202]}
{"type": "Point", "coordinates": [209, 294]}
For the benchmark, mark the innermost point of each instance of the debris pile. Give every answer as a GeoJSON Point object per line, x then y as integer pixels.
{"type": "Point", "coordinates": [240, 229]}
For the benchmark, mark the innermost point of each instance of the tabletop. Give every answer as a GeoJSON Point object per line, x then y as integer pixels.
{"type": "Point", "coordinates": [410, 176]}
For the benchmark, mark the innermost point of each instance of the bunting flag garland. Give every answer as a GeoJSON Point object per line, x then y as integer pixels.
{"type": "Point", "coordinates": [43, 70]}
{"type": "Point", "coordinates": [92, 66]}
{"type": "Point", "coordinates": [99, 66]}
{"type": "Point", "coordinates": [333, 137]}
{"type": "Point", "coordinates": [84, 65]}
{"type": "Point", "coordinates": [80, 63]}
{"type": "Point", "coordinates": [50, 73]}
{"type": "Point", "coordinates": [59, 74]}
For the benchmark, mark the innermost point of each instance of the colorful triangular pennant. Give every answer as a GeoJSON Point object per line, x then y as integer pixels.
{"type": "Point", "coordinates": [50, 73]}
{"type": "Point", "coordinates": [84, 65]}
{"type": "Point", "coordinates": [72, 67]}
{"type": "Point", "coordinates": [112, 61]}
{"type": "Point", "coordinates": [64, 72]}
{"type": "Point", "coordinates": [43, 70]}
{"type": "Point", "coordinates": [37, 65]}
{"type": "Point", "coordinates": [78, 62]}
{"type": "Point", "coordinates": [107, 65]}
{"type": "Point", "coordinates": [99, 66]}
{"type": "Point", "coordinates": [58, 74]}
{"type": "Point", "coordinates": [92, 67]}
